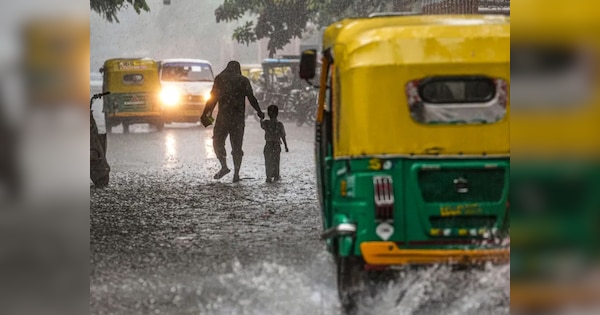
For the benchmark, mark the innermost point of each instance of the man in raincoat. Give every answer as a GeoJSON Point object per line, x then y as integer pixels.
{"type": "Point", "coordinates": [230, 90]}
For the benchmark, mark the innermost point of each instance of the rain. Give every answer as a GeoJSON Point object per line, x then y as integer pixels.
{"type": "Point", "coordinates": [167, 238]}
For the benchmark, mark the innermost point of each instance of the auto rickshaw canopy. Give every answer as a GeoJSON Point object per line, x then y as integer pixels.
{"type": "Point", "coordinates": [375, 58]}
{"type": "Point", "coordinates": [131, 75]}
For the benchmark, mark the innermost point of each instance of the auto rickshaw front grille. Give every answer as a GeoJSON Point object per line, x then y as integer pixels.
{"type": "Point", "coordinates": [463, 222]}
{"type": "Point", "coordinates": [462, 184]}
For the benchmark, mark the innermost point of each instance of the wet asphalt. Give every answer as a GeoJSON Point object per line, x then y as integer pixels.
{"type": "Point", "coordinates": [166, 238]}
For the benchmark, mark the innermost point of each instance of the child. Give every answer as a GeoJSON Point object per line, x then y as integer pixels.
{"type": "Point", "coordinates": [274, 133]}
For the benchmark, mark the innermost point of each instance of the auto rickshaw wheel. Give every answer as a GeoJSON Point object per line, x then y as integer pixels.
{"type": "Point", "coordinates": [125, 127]}
{"type": "Point", "coordinates": [160, 125]}
{"type": "Point", "coordinates": [351, 282]}
{"type": "Point", "coordinates": [108, 124]}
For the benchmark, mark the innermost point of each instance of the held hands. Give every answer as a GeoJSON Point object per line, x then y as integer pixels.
{"type": "Point", "coordinates": [261, 115]}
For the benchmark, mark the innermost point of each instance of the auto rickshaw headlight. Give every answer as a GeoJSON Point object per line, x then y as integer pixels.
{"type": "Point", "coordinates": [169, 96]}
{"type": "Point", "coordinates": [207, 96]}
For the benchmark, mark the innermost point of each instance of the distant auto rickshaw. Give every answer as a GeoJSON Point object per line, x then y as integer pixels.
{"type": "Point", "coordinates": [279, 82]}
{"type": "Point", "coordinates": [281, 86]}
{"type": "Point", "coordinates": [134, 86]}
{"type": "Point", "coordinates": [252, 71]}
{"type": "Point", "coordinates": [412, 143]}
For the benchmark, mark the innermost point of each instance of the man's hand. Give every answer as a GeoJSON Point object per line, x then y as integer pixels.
{"type": "Point", "coordinates": [205, 120]}
{"type": "Point", "coordinates": [261, 115]}
{"type": "Point", "coordinates": [286, 149]}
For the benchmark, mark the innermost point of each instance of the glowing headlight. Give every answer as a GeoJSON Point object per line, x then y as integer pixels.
{"type": "Point", "coordinates": [207, 96]}
{"type": "Point", "coordinates": [169, 96]}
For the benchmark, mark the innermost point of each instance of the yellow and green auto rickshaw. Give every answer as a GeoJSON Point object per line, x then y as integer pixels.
{"type": "Point", "coordinates": [412, 143]}
{"type": "Point", "coordinates": [134, 87]}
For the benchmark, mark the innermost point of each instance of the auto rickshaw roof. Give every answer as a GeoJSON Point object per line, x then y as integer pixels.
{"type": "Point", "coordinates": [130, 64]}
{"type": "Point", "coordinates": [145, 60]}
{"type": "Point", "coordinates": [184, 60]}
{"type": "Point", "coordinates": [377, 57]}
{"type": "Point", "coordinates": [280, 61]}
{"type": "Point", "coordinates": [407, 36]}
{"type": "Point", "coordinates": [251, 66]}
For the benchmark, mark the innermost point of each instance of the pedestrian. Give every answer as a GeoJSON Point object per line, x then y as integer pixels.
{"type": "Point", "coordinates": [230, 90]}
{"type": "Point", "coordinates": [274, 134]}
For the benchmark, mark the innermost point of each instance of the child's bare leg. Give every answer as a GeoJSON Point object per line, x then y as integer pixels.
{"type": "Point", "coordinates": [276, 159]}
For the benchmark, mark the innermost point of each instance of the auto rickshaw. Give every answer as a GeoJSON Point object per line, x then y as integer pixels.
{"type": "Point", "coordinates": [555, 169]}
{"type": "Point", "coordinates": [412, 143]}
{"type": "Point", "coordinates": [281, 86]}
{"type": "Point", "coordinates": [279, 83]}
{"type": "Point", "coordinates": [252, 71]}
{"type": "Point", "coordinates": [134, 87]}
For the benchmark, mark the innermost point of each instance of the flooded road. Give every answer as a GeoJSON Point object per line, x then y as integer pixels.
{"type": "Point", "coordinates": [168, 239]}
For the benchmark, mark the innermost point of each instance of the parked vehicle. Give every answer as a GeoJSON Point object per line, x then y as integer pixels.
{"type": "Point", "coordinates": [280, 86]}
{"type": "Point", "coordinates": [99, 168]}
{"type": "Point", "coordinates": [412, 143]}
{"type": "Point", "coordinates": [305, 102]}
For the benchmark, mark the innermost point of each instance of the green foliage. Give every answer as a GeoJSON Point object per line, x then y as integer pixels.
{"type": "Point", "coordinates": [282, 20]}
{"type": "Point", "coordinates": [109, 8]}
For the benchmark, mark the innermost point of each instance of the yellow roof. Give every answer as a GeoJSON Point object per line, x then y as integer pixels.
{"type": "Point", "coordinates": [116, 68]}
{"type": "Point", "coordinates": [376, 57]}
{"type": "Point", "coordinates": [126, 64]}
{"type": "Point", "coordinates": [412, 39]}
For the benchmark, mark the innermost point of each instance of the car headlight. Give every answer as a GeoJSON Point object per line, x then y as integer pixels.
{"type": "Point", "coordinates": [207, 96]}
{"type": "Point", "coordinates": [170, 96]}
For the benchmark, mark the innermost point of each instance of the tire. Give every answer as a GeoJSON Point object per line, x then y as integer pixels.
{"type": "Point", "coordinates": [301, 119]}
{"type": "Point", "coordinates": [160, 126]}
{"type": "Point", "coordinates": [125, 127]}
{"type": "Point", "coordinates": [351, 282]}
{"type": "Point", "coordinates": [107, 124]}
{"type": "Point", "coordinates": [101, 181]}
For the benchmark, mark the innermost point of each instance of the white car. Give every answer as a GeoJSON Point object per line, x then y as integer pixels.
{"type": "Point", "coordinates": [186, 86]}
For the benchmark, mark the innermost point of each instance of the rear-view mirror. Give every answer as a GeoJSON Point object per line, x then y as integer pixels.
{"type": "Point", "coordinates": [308, 64]}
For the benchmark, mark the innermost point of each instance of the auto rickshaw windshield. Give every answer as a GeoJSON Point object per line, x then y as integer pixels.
{"type": "Point", "coordinates": [190, 72]}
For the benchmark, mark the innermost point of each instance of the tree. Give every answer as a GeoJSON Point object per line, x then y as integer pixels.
{"type": "Point", "coordinates": [109, 8]}
{"type": "Point", "coordinates": [282, 20]}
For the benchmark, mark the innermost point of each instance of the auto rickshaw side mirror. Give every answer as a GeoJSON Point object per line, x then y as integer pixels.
{"type": "Point", "coordinates": [308, 64]}
{"type": "Point", "coordinates": [101, 70]}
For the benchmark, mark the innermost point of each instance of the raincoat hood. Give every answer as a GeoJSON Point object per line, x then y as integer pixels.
{"type": "Point", "coordinates": [233, 66]}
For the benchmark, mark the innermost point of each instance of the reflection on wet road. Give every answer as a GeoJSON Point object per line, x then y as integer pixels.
{"type": "Point", "coordinates": [167, 238]}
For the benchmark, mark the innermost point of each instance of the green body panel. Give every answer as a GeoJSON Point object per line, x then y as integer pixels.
{"type": "Point", "coordinates": [425, 198]}
{"type": "Point", "coordinates": [131, 103]}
